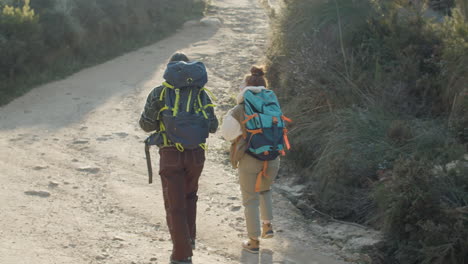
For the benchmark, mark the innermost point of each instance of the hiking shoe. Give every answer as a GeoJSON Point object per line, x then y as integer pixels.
{"type": "Point", "coordinates": [184, 261]}
{"type": "Point", "coordinates": [251, 245]}
{"type": "Point", "coordinates": [267, 231]}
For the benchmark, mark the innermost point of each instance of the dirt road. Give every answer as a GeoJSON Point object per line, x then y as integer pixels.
{"type": "Point", "coordinates": [73, 182]}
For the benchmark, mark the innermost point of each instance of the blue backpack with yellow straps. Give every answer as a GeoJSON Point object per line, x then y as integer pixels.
{"type": "Point", "coordinates": [184, 119]}
{"type": "Point", "coordinates": [265, 125]}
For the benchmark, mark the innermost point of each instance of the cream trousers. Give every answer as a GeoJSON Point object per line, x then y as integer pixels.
{"type": "Point", "coordinates": [256, 204]}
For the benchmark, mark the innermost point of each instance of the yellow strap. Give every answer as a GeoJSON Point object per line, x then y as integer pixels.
{"type": "Point", "coordinates": [179, 147]}
{"type": "Point", "coordinates": [166, 142]}
{"type": "Point", "coordinates": [168, 85]}
{"type": "Point", "coordinates": [204, 146]}
{"type": "Point", "coordinates": [210, 93]}
{"type": "Point", "coordinates": [209, 105]}
{"type": "Point", "coordinates": [162, 127]}
{"type": "Point", "coordinates": [188, 101]}
{"type": "Point", "coordinates": [201, 107]}
{"type": "Point", "coordinates": [163, 92]}
{"type": "Point", "coordinates": [162, 109]}
{"type": "Point", "coordinates": [177, 99]}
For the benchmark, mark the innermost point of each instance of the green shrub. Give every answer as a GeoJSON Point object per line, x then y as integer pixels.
{"type": "Point", "coordinates": [48, 39]}
{"type": "Point", "coordinates": [463, 6]}
{"type": "Point", "coordinates": [426, 213]}
{"type": "Point", "coordinates": [20, 43]}
{"type": "Point", "coordinates": [348, 150]}
{"type": "Point", "coordinates": [373, 85]}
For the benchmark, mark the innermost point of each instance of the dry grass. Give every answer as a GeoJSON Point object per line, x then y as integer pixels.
{"type": "Point", "coordinates": [371, 85]}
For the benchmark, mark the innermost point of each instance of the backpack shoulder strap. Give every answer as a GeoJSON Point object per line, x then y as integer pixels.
{"type": "Point", "coordinates": [163, 97]}
{"type": "Point", "coordinates": [205, 99]}
{"type": "Point", "coordinates": [210, 94]}
{"type": "Point", "coordinates": [174, 108]}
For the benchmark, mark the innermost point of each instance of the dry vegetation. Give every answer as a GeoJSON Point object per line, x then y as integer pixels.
{"type": "Point", "coordinates": [378, 92]}
{"type": "Point", "coordinates": [42, 40]}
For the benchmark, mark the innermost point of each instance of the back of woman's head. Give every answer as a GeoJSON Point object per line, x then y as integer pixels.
{"type": "Point", "coordinates": [256, 77]}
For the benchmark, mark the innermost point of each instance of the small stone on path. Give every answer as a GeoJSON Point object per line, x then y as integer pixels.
{"type": "Point", "coordinates": [40, 168]}
{"type": "Point", "coordinates": [41, 194]}
{"type": "Point", "coordinates": [76, 142]}
{"type": "Point", "coordinates": [235, 208]}
{"type": "Point", "coordinates": [211, 22]}
{"type": "Point", "coordinates": [121, 134]}
{"type": "Point", "coordinates": [53, 184]}
{"type": "Point", "coordinates": [92, 170]}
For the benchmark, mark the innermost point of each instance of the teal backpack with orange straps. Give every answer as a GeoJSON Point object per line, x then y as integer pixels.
{"type": "Point", "coordinates": [267, 135]}
{"type": "Point", "coordinates": [266, 125]}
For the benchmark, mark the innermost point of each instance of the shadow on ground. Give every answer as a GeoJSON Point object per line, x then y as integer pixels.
{"type": "Point", "coordinates": [58, 104]}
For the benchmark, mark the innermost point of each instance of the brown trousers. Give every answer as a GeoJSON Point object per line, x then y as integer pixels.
{"type": "Point", "coordinates": [179, 173]}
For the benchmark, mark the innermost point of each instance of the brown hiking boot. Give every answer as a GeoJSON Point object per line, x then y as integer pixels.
{"type": "Point", "coordinates": [251, 245]}
{"type": "Point", "coordinates": [267, 231]}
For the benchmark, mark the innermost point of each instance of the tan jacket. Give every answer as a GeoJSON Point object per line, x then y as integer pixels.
{"type": "Point", "coordinates": [234, 130]}
{"type": "Point", "coordinates": [239, 145]}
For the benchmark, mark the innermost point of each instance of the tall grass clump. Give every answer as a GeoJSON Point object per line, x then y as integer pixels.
{"type": "Point", "coordinates": [426, 212]}
{"type": "Point", "coordinates": [41, 40]}
{"type": "Point", "coordinates": [377, 87]}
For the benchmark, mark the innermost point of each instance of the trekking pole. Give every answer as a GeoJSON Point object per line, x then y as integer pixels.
{"type": "Point", "coordinates": [148, 162]}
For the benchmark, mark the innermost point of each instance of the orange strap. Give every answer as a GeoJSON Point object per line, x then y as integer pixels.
{"type": "Point", "coordinates": [286, 139]}
{"type": "Point", "coordinates": [286, 119]}
{"type": "Point", "coordinates": [256, 131]}
{"type": "Point", "coordinates": [248, 118]}
{"type": "Point", "coordinates": [253, 132]}
{"type": "Point", "coordinates": [260, 175]}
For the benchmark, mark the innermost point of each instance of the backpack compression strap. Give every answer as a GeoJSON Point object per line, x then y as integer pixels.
{"type": "Point", "coordinates": [175, 111]}
{"type": "Point", "coordinates": [263, 173]}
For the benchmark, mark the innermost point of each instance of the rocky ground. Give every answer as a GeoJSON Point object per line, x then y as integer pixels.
{"type": "Point", "coordinates": [73, 180]}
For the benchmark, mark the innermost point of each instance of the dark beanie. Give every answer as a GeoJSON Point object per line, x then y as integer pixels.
{"type": "Point", "coordinates": [179, 57]}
